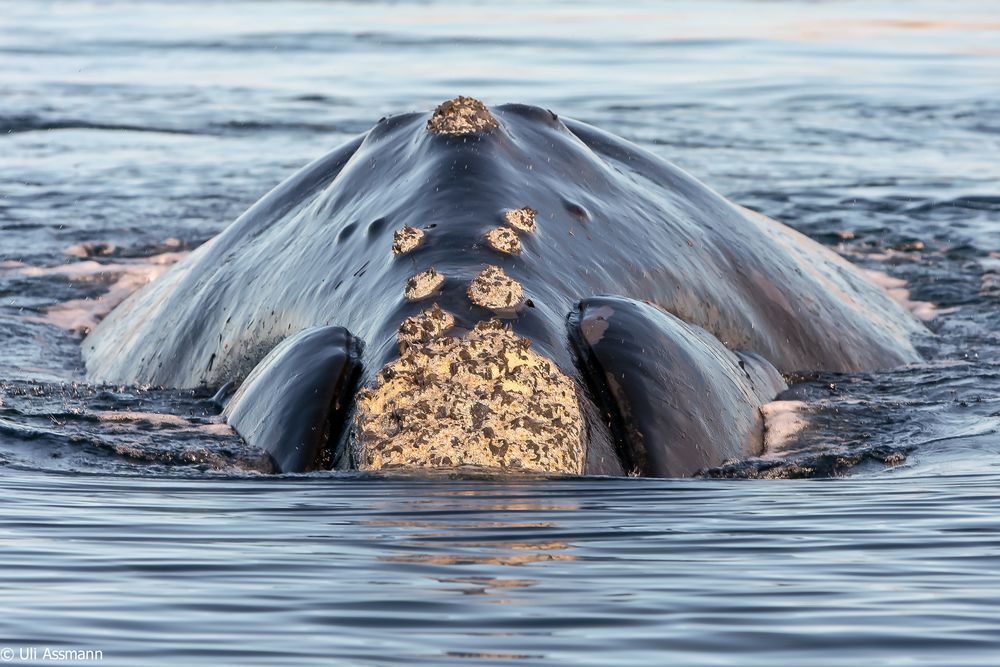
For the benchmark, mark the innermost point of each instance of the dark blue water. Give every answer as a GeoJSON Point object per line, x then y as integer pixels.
{"type": "Point", "coordinates": [131, 132]}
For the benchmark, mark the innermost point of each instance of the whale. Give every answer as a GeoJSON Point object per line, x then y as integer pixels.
{"type": "Point", "coordinates": [504, 289]}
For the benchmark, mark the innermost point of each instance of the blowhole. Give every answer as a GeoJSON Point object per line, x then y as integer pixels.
{"type": "Point", "coordinates": [347, 231]}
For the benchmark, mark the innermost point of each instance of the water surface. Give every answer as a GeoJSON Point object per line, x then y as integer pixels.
{"type": "Point", "coordinates": [130, 130]}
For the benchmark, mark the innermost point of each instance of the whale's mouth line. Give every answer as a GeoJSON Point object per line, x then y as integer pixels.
{"type": "Point", "coordinates": [336, 427]}
{"type": "Point", "coordinates": [595, 381]}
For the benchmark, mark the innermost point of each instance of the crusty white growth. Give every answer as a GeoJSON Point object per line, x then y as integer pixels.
{"type": "Point", "coordinates": [521, 219]}
{"type": "Point", "coordinates": [406, 239]}
{"type": "Point", "coordinates": [492, 288]}
{"type": "Point", "coordinates": [483, 400]}
{"type": "Point", "coordinates": [423, 285]}
{"type": "Point", "coordinates": [503, 239]}
{"type": "Point", "coordinates": [424, 327]}
{"type": "Point", "coordinates": [462, 115]}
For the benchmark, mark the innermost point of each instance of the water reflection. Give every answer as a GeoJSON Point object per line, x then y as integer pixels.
{"type": "Point", "coordinates": [485, 585]}
{"type": "Point", "coordinates": [536, 553]}
{"type": "Point", "coordinates": [492, 656]}
{"type": "Point", "coordinates": [459, 538]}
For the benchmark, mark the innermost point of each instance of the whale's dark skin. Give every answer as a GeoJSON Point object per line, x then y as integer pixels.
{"type": "Point", "coordinates": [612, 221]}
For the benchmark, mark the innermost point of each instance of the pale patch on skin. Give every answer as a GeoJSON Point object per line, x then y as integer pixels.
{"type": "Point", "coordinates": [925, 311]}
{"type": "Point", "coordinates": [896, 288]}
{"type": "Point", "coordinates": [143, 420]}
{"type": "Point", "coordinates": [217, 428]}
{"type": "Point", "coordinates": [88, 250]}
{"type": "Point", "coordinates": [521, 219]}
{"type": "Point", "coordinates": [492, 288]}
{"type": "Point", "coordinates": [85, 250]}
{"type": "Point", "coordinates": [484, 400]}
{"type": "Point", "coordinates": [462, 115]}
{"type": "Point", "coordinates": [151, 417]}
{"type": "Point", "coordinates": [783, 421]}
{"type": "Point", "coordinates": [503, 239]}
{"type": "Point", "coordinates": [423, 285]}
{"type": "Point", "coordinates": [211, 427]}
{"type": "Point", "coordinates": [139, 425]}
{"type": "Point", "coordinates": [406, 239]}
{"type": "Point", "coordinates": [82, 315]}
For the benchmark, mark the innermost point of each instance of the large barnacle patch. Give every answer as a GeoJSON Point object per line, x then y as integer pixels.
{"type": "Point", "coordinates": [484, 400]}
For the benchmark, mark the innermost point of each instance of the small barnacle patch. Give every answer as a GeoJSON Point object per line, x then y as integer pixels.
{"type": "Point", "coordinates": [462, 115]}
{"type": "Point", "coordinates": [424, 327]}
{"type": "Point", "coordinates": [406, 239]}
{"type": "Point", "coordinates": [423, 285]}
{"type": "Point", "coordinates": [522, 219]}
{"type": "Point", "coordinates": [502, 239]}
{"type": "Point", "coordinates": [492, 288]}
{"type": "Point", "coordinates": [485, 399]}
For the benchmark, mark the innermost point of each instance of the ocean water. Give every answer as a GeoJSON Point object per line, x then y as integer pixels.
{"type": "Point", "coordinates": [131, 523]}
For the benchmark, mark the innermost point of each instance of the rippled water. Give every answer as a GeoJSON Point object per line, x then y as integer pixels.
{"type": "Point", "coordinates": [141, 128]}
{"type": "Point", "coordinates": [596, 572]}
